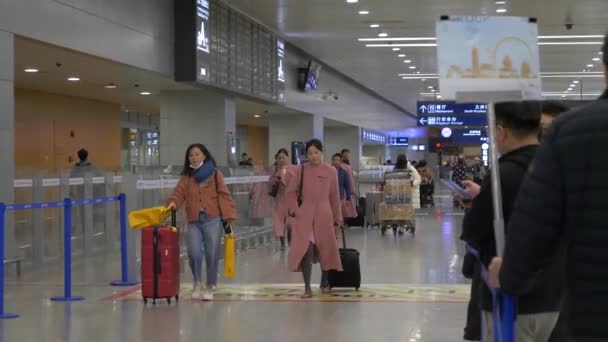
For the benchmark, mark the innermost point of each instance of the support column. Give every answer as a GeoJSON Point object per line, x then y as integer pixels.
{"type": "Point", "coordinates": [199, 116]}
{"type": "Point", "coordinates": [285, 129]}
{"type": "Point", "coordinates": [339, 138]}
{"type": "Point", "coordinates": [7, 135]}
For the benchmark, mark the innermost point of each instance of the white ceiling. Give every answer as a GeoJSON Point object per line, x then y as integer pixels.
{"type": "Point", "coordinates": [329, 29]}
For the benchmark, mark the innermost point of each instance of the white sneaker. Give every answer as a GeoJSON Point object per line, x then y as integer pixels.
{"type": "Point", "coordinates": [196, 292]}
{"type": "Point", "coordinates": [207, 296]}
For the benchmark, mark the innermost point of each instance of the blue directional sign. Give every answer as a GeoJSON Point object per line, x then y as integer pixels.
{"type": "Point", "coordinates": [469, 136]}
{"type": "Point", "coordinates": [434, 120]}
{"type": "Point", "coordinates": [398, 141]}
{"type": "Point", "coordinates": [450, 108]}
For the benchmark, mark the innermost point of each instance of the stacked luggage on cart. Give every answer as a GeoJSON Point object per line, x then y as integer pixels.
{"type": "Point", "coordinates": [397, 211]}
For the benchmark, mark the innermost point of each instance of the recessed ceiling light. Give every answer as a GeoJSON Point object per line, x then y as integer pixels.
{"type": "Point", "coordinates": [432, 91]}
{"type": "Point", "coordinates": [418, 72]}
{"type": "Point", "coordinates": [501, 2]}
{"type": "Point", "coordinates": [396, 49]}
{"type": "Point", "coordinates": [110, 86]}
{"type": "Point", "coordinates": [412, 67]}
{"type": "Point", "coordinates": [439, 96]}
{"type": "Point", "coordinates": [73, 79]}
{"type": "Point", "coordinates": [257, 116]}
{"type": "Point", "coordinates": [352, 1]}
{"type": "Point", "coordinates": [596, 59]}
{"type": "Point", "coordinates": [31, 70]}
{"type": "Point", "coordinates": [589, 65]}
{"type": "Point", "coordinates": [570, 89]}
{"type": "Point", "coordinates": [374, 25]}
{"type": "Point", "coordinates": [431, 87]}
{"type": "Point", "coordinates": [600, 53]}
{"type": "Point", "coordinates": [402, 55]}
{"type": "Point", "coordinates": [501, 10]}
{"type": "Point", "coordinates": [145, 93]}
{"type": "Point", "coordinates": [364, 12]}
{"type": "Point", "coordinates": [382, 34]}
{"type": "Point", "coordinates": [563, 96]}
{"type": "Point", "coordinates": [575, 82]}
{"type": "Point", "coordinates": [423, 80]}
{"type": "Point", "coordinates": [407, 61]}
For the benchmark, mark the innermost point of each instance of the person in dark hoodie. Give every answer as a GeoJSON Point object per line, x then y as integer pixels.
{"type": "Point", "coordinates": [518, 125]}
{"type": "Point", "coordinates": [84, 166]}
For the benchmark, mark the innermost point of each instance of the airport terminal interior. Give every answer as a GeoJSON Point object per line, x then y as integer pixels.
{"type": "Point", "coordinates": [99, 101]}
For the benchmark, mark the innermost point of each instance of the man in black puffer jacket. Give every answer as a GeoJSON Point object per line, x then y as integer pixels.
{"type": "Point", "coordinates": [563, 200]}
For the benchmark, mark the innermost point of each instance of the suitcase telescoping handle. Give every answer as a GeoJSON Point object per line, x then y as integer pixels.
{"type": "Point", "coordinates": [343, 236]}
{"type": "Point", "coordinates": [173, 218]}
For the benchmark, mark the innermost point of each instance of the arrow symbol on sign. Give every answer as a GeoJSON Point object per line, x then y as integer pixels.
{"type": "Point", "coordinates": [423, 109]}
{"type": "Point", "coordinates": [423, 121]}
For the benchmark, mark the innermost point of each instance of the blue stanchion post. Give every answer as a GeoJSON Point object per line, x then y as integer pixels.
{"type": "Point", "coordinates": [508, 317]}
{"type": "Point", "coordinates": [3, 315]}
{"type": "Point", "coordinates": [122, 198]}
{"type": "Point", "coordinates": [67, 255]}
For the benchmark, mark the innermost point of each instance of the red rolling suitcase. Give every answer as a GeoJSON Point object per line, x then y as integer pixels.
{"type": "Point", "coordinates": [160, 262]}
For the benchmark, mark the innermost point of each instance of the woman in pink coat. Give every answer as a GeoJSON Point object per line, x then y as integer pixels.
{"type": "Point", "coordinates": [278, 183]}
{"type": "Point", "coordinates": [314, 206]}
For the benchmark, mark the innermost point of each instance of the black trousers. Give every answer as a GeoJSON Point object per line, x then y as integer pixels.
{"type": "Point", "coordinates": [472, 331]}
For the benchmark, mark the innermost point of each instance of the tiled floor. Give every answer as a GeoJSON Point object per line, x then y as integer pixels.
{"type": "Point", "coordinates": [430, 260]}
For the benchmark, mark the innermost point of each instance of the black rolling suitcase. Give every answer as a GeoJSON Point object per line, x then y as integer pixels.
{"type": "Point", "coordinates": [351, 275]}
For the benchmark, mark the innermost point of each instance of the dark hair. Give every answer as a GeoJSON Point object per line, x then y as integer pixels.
{"type": "Point", "coordinates": [605, 50]}
{"type": "Point", "coordinates": [339, 155]}
{"type": "Point", "coordinates": [401, 163]}
{"type": "Point", "coordinates": [316, 143]}
{"type": "Point", "coordinates": [554, 108]}
{"type": "Point", "coordinates": [345, 151]}
{"type": "Point", "coordinates": [244, 154]}
{"type": "Point", "coordinates": [83, 154]}
{"type": "Point", "coordinates": [521, 117]}
{"type": "Point", "coordinates": [188, 171]}
{"type": "Point", "coordinates": [281, 150]}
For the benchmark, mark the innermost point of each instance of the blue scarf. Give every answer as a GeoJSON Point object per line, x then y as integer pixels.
{"type": "Point", "coordinates": [204, 172]}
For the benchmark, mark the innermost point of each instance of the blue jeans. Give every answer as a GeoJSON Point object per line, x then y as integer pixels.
{"type": "Point", "coordinates": [205, 236]}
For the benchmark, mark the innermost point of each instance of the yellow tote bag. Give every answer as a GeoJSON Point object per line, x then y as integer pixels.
{"type": "Point", "coordinates": [149, 217]}
{"type": "Point", "coordinates": [229, 262]}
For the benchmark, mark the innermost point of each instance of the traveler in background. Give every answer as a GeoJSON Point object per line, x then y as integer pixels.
{"type": "Point", "coordinates": [459, 174]}
{"type": "Point", "coordinates": [349, 205]}
{"type": "Point", "coordinates": [245, 160]}
{"type": "Point", "coordinates": [517, 128]}
{"type": "Point", "coordinates": [279, 181]}
{"type": "Point", "coordinates": [202, 190]}
{"type": "Point", "coordinates": [403, 164]}
{"type": "Point", "coordinates": [83, 167]}
{"type": "Point", "coordinates": [345, 156]}
{"type": "Point", "coordinates": [561, 203]}
{"type": "Point", "coordinates": [551, 109]}
{"type": "Point", "coordinates": [314, 206]}
{"type": "Point", "coordinates": [344, 185]}
{"type": "Point", "coordinates": [427, 185]}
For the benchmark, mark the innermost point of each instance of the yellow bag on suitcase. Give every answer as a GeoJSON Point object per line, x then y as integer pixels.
{"type": "Point", "coordinates": [148, 217]}
{"type": "Point", "coordinates": [229, 257]}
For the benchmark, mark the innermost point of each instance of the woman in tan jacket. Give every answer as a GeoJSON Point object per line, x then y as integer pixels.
{"type": "Point", "coordinates": [202, 190]}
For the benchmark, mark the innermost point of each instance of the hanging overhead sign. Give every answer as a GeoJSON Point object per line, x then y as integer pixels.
{"type": "Point", "coordinates": [480, 54]}
{"type": "Point", "coordinates": [455, 120]}
{"type": "Point", "coordinates": [444, 107]}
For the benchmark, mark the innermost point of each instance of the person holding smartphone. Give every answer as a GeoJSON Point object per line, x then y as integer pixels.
{"type": "Point", "coordinates": [207, 199]}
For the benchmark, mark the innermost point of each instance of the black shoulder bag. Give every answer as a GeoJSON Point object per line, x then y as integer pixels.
{"type": "Point", "coordinates": [300, 189]}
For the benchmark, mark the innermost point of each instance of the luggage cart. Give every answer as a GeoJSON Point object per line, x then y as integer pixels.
{"type": "Point", "coordinates": [372, 202]}
{"type": "Point", "coordinates": [396, 211]}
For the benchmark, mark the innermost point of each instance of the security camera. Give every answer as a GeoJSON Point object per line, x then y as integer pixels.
{"type": "Point", "coordinates": [58, 64]}
{"type": "Point", "coordinates": [569, 26]}
{"type": "Point", "coordinates": [336, 97]}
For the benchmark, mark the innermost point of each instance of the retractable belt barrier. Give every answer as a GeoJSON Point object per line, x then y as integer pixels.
{"type": "Point", "coordinates": [503, 306]}
{"type": "Point", "coordinates": [67, 205]}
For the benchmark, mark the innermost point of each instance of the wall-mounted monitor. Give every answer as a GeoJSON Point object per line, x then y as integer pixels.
{"type": "Point", "coordinates": [308, 78]}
